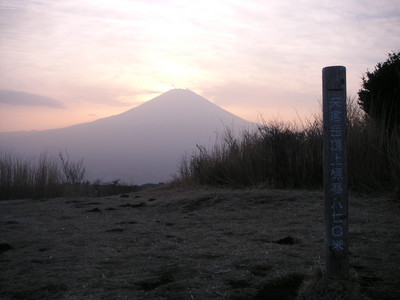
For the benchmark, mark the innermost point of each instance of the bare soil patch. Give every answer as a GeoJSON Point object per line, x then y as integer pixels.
{"type": "Point", "coordinates": [188, 243]}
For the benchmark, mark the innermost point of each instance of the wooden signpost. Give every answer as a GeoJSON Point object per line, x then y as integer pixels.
{"type": "Point", "coordinates": [335, 171]}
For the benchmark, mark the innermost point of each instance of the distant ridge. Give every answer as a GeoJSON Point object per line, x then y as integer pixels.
{"type": "Point", "coordinates": [142, 145]}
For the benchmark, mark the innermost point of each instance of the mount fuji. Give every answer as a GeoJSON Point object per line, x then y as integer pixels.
{"type": "Point", "coordinates": [142, 145]}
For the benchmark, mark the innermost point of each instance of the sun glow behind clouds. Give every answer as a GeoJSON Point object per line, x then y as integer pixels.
{"type": "Point", "coordinates": [103, 57]}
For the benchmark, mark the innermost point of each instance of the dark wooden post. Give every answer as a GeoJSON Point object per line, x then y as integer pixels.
{"type": "Point", "coordinates": [335, 171]}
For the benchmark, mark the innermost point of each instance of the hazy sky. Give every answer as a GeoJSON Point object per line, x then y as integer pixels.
{"type": "Point", "coordinates": [94, 58]}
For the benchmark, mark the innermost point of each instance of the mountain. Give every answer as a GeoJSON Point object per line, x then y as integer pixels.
{"type": "Point", "coordinates": [142, 145]}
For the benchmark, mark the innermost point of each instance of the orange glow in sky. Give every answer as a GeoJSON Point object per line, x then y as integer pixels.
{"type": "Point", "coordinates": [96, 58]}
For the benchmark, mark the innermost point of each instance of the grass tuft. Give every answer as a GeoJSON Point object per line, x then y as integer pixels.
{"type": "Point", "coordinates": [317, 286]}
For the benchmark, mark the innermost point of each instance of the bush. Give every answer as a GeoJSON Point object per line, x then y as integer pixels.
{"type": "Point", "coordinates": [74, 172]}
{"type": "Point", "coordinates": [379, 96]}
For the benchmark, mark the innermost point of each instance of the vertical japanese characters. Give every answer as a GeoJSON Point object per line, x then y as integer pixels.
{"type": "Point", "coordinates": [336, 137]}
{"type": "Point", "coordinates": [335, 171]}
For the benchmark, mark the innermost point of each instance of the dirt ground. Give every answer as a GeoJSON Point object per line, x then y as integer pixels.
{"type": "Point", "coordinates": [188, 243]}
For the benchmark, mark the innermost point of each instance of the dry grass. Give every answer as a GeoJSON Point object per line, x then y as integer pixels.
{"type": "Point", "coordinates": [285, 155]}
{"type": "Point", "coordinates": [23, 177]}
{"type": "Point", "coordinates": [47, 176]}
{"type": "Point", "coordinates": [317, 286]}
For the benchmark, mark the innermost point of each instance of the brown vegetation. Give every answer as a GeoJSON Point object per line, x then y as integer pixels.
{"type": "Point", "coordinates": [48, 176]}
{"type": "Point", "coordinates": [284, 155]}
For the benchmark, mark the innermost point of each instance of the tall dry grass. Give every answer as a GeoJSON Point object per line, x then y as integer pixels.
{"type": "Point", "coordinates": [44, 176]}
{"type": "Point", "coordinates": [50, 176]}
{"type": "Point", "coordinates": [277, 154]}
{"type": "Point", "coordinates": [288, 155]}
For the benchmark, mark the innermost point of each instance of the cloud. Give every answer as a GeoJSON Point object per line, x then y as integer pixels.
{"type": "Point", "coordinates": [242, 54]}
{"type": "Point", "coordinates": [28, 99]}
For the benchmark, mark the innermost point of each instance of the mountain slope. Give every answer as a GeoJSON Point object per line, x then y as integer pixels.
{"type": "Point", "coordinates": [144, 144]}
